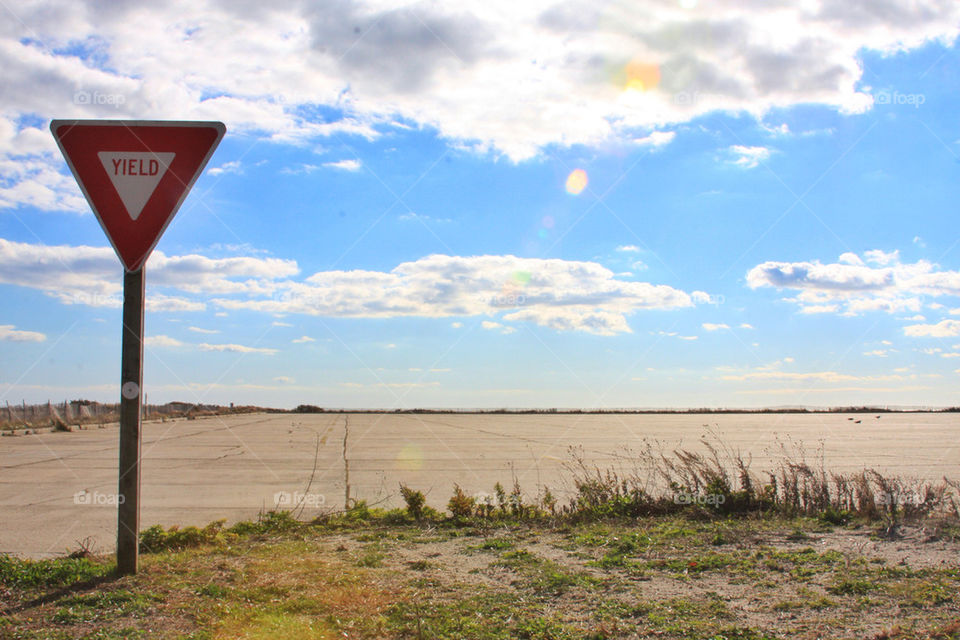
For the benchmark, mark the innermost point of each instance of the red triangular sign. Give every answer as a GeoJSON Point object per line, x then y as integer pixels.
{"type": "Point", "coordinates": [135, 174]}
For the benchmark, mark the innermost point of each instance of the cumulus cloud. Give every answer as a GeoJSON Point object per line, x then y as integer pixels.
{"type": "Point", "coordinates": [559, 294]}
{"type": "Point", "coordinates": [852, 287]}
{"type": "Point", "coordinates": [942, 329]}
{"type": "Point", "coordinates": [91, 275]}
{"type": "Point", "coordinates": [162, 341]}
{"type": "Point", "coordinates": [488, 75]}
{"type": "Point", "coordinates": [11, 334]}
{"type": "Point", "coordinates": [565, 295]}
{"type": "Point", "coordinates": [748, 157]}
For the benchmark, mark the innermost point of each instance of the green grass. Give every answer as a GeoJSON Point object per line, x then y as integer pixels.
{"type": "Point", "coordinates": [102, 605]}
{"type": "Point", "coordinates": [60, 572]}
{"type": "Point", "coordinates": [367, 574]}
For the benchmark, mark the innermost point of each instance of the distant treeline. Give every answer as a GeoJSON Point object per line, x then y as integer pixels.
{"type": "Point", "coordinates": [309, 408]}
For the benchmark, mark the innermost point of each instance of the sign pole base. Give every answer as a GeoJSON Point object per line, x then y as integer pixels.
{"type": "Point", "coordinates": [131, 377]}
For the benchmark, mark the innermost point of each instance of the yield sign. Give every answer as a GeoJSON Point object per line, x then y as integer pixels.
{"type": "Point", "coordinates": [135, 174]}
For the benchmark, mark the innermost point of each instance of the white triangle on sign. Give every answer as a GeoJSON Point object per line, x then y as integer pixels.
{"type": "Point", "coordinates": [135, 175]}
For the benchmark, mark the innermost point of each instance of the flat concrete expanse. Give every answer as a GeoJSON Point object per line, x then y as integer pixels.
{"type": "Point", "coordinates": [233, 467]}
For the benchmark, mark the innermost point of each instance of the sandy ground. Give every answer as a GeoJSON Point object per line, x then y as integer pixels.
{"type": "Point", "coordinates": [233, 467]}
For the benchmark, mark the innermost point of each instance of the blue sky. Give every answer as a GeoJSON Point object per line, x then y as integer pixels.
{"type": "Point", "coordinates": [769, 215]}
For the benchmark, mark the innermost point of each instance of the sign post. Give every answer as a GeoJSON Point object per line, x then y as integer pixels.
{"type": "Point", "coordinates": [135, 175]}
{"type": "Point", "coordinates": [131, 379]}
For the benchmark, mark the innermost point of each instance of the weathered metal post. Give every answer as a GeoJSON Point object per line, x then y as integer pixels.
{"type": "Point", "coordinates": [131, 381]}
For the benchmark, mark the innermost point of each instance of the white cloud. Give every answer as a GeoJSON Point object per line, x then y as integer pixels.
{"type": "Point", "coordinates": [201, 330]}
{"type": "Point", "coordinates": [227, 167]}
{"type": "Point", "coordinates": [162, 341]}
{"type": "Point", "coordinates": [496, 326]}
{"type": "Point", "coordinates": [91, 275]}
{"type": "Point", "coordinates": [303, 340]}
{"type": "Point", "coordinates": [850, 258]}
{"type": "Point", "coordinates": [560, 294]}
{"type": "Point", "coordinates": [235, 348]}
{"type": "Point", "coordinates": [300, 169]}
{"type": "Point", "coordinates": [456, 325]}
{"type": "Point", "coordinates": [819, 376]}
{"type": "Point", "coordinates": [277, 323]}
{"type": "Point", "coordinates": [819, 308]}
{"type": "Point", "coordinates": [344, 165]}
{"type": "Point", "coordinates": [880, 353]}
{"type": "Point", "coordinates": [882, 258]}
{"type": "Point", "coordinates": [483, 74]}
{"type": "Point", "coordinates": [9, 333]}
{"type": "Point", "coordinates": [628, 248]}
{"type": "Point", "coordinates": [555, 293]}
{"type": "Point", "coordinates": [656, 140]}
{"type": "Point", "coordinates": [710, 326]}
{"type": "Point", "coordinates": [852, 287]}
{"type": "Point", "coordinates": [942, 329]}
{"type": "Point", "coordinates": [746, 325]}
{"type": "Point", "coordinates": [748, 157]}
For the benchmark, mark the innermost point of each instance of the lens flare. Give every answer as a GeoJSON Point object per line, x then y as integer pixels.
{"type": "Point", "coordinates": [547, 222]}
{"type": "Point", "coordinates": [641, 76]}
{"type": "Point", "coordinates": [410, 458]}
{"type": "Point", "coordinates": [576, 181]}
{"type": "Point", "coordinates": [521, 277]}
